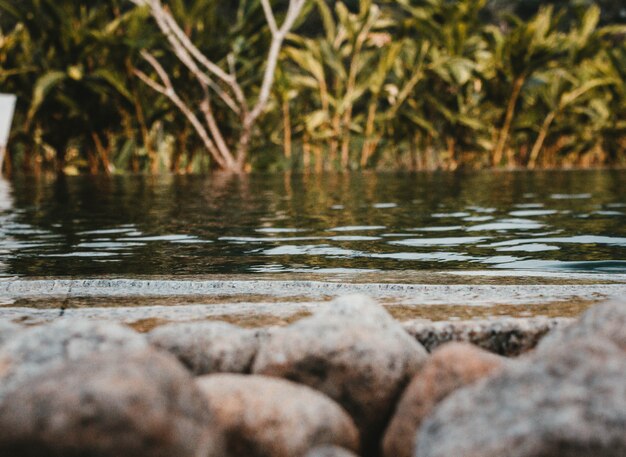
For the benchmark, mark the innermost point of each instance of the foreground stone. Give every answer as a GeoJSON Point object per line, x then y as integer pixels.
{"type": "Point", "coordinates": [504, 336]}
{"type": "Point", "coordinates": [38, 349]}
{"type": "Point", "coordinates": [109, 405]}
{"type": "Point", "coordinates": [565, 401]}
{"type": "Point", "coordinates": [208, 347]}
{"type": "Point", "coordinates": [607, 320]}
{"type": "Point", "coordinates": [8, 329]}
{"type": "Point", "coordinates": [353, 351]}
{"type": "Point", "coordinates": [451, 367]}
{"type": "Point", "coordinates": [329, 451]}
{"type": "Point", "coordinates": [260, 416]}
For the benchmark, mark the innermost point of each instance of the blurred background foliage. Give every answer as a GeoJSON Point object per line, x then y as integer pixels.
{"type": "Point", "coordinates": [397, 84]}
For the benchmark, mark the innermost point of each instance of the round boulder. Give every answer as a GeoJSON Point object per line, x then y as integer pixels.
{"type": "Point", "coordinates": [607, 320]}
{"type": "Point", "coordinates": [35, 350]}
{"type": "Point", "coordinates": [142, 403]}
{"type": "Point", "coordinates": [353, 351]}
{"type": "Point", "coordinates": [208, 347]}
{"type": "Point", "coordinates": [449, 368]}
{"type": "Point", "coordinates": [259, 416]}
{"type": "Point", "coordinates": [569, 401]}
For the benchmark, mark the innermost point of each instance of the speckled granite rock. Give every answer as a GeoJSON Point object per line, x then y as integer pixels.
{"type": "Point", "coordinates": [566, 401]}
{"type": "Point", "coordinates": [261, 416]}
{"type": "Point", "coordinates": [329, 451]}
{"type": "Point", "coordinates": [607, 320]}
{"type": "Point", "coordinates": [35, 350]}
{"type": "Point", "coordinates": [142, 403]}
{"type": "Point", "coordinates": [504, 336]}
{"type": "Point", "coordinates": [450, 367]}
{"type": "Point", "coordinates": [208, 347]}
{"type": "Point", "coordinates": [354, 352]}
{"type": "Point", "coordinates": [8, 330]}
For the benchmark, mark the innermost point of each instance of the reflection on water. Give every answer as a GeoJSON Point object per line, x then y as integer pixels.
{"type": "Point", "coordinates": [566, 221]}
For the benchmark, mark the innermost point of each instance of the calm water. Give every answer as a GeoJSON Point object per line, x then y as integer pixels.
{"type": "Point", "coordinates": [129, 226]}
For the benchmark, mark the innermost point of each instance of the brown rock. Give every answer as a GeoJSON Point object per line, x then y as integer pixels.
{"type": "Point", "coordinates": [450, 367]}
{"type": "Point", "coordinates": [208, 347]}
{"type": "Point", "coordinates": [140, 404]}
{"type": "Point", "coordinates": [259, 416]}
{"type": "Point", "coordinates": [354, 352]}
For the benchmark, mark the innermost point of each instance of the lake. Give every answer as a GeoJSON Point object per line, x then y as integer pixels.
{"type": "Point", "coordinates": [189, 225]}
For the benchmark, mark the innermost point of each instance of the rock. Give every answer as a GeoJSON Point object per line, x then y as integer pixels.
{"type": "Point", "coordinates": [142, 403]}
{"type": "Point", "coordinates": [504, 336]}
{"type": "Point", "coordinates": [356, 306]}
{"type": "Point", "coordinates": [450, 367]}
{"type": "Point", "coordinates": [34, 350]}
{"type": "Point", "coordinates": [354, 352]}
{"type": "Point", "coordinates": [568, 401]}
{"type": "Point", "coordinates": [329, 451]}
{"type": "Point", "coordinates": [261, 416]}
{"type": "Point", "coordinates": [208, 347]}
{"type": "Point", "coordinates": [8, 330]}
{"type": "Point", "coordinates": [607, 320]}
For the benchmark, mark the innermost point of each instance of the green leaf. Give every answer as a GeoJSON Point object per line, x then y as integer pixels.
{"type": "Point", "coordinates": [43, 86]}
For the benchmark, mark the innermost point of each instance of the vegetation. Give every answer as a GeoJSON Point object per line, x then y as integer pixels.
{"type": "Point", "coordinates": [403, 84]}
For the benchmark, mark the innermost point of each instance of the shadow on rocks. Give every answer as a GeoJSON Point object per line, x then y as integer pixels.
{"type": "Point", "coordinates": [353, 351]}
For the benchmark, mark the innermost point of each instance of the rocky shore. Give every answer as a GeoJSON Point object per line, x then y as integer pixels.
{"type": "Point", "coordinates": [347, 380]}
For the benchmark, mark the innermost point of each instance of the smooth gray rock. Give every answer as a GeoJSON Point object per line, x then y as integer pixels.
{"type": "Point", "coordinates": [261, 416]}
{"type": "Point", "coordinates": [137, 404]}
{"type": "Point", "coordinates": [504, 336]}
{"type": "Point", "coordinates": [450, 367]}
{"type": "Point", "coordinates": [35, 350]}
{"type": "Point", "coordinates": [8, 330]}
{"type": "Point", "coordinates": [607, 320]}
{"type": "Point", "coordinates": [208, 347]}
{"type": "Point", "coordinates": [329, 451]}
{"type": "Point", "coordinates": [353, 351]}
{"type": "Point", "coordinates": [569, 401]}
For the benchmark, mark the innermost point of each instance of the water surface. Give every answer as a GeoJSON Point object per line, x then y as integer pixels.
{"type": "Point", "coordinates": [180, 225]}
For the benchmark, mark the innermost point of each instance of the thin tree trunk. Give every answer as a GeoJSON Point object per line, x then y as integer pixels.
{"type": "Point", "coordinates": [102, 153]}
{"type": "Point", "coordinates": [503, 135]}
{"type": "Point", "coordinates": [368, 146]}
{"type": "Point", "coordinates": [287, 131]}
{"type": "Point", "coordinates": [541, 138]}
{"type": "Point", "coordinates": [306, 152]}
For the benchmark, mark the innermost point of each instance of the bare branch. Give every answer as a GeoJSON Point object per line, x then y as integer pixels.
{"type": "Point", "coordinates": [184, 40]}
{"type": "Point", "coordinates": [269, 16]}
{"type": "Point", "coordinates": [167, 89]}
{"type": "Point", "coordinates": [164, 21]}
{"type": "Point", "coordinates": [295, 7]}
